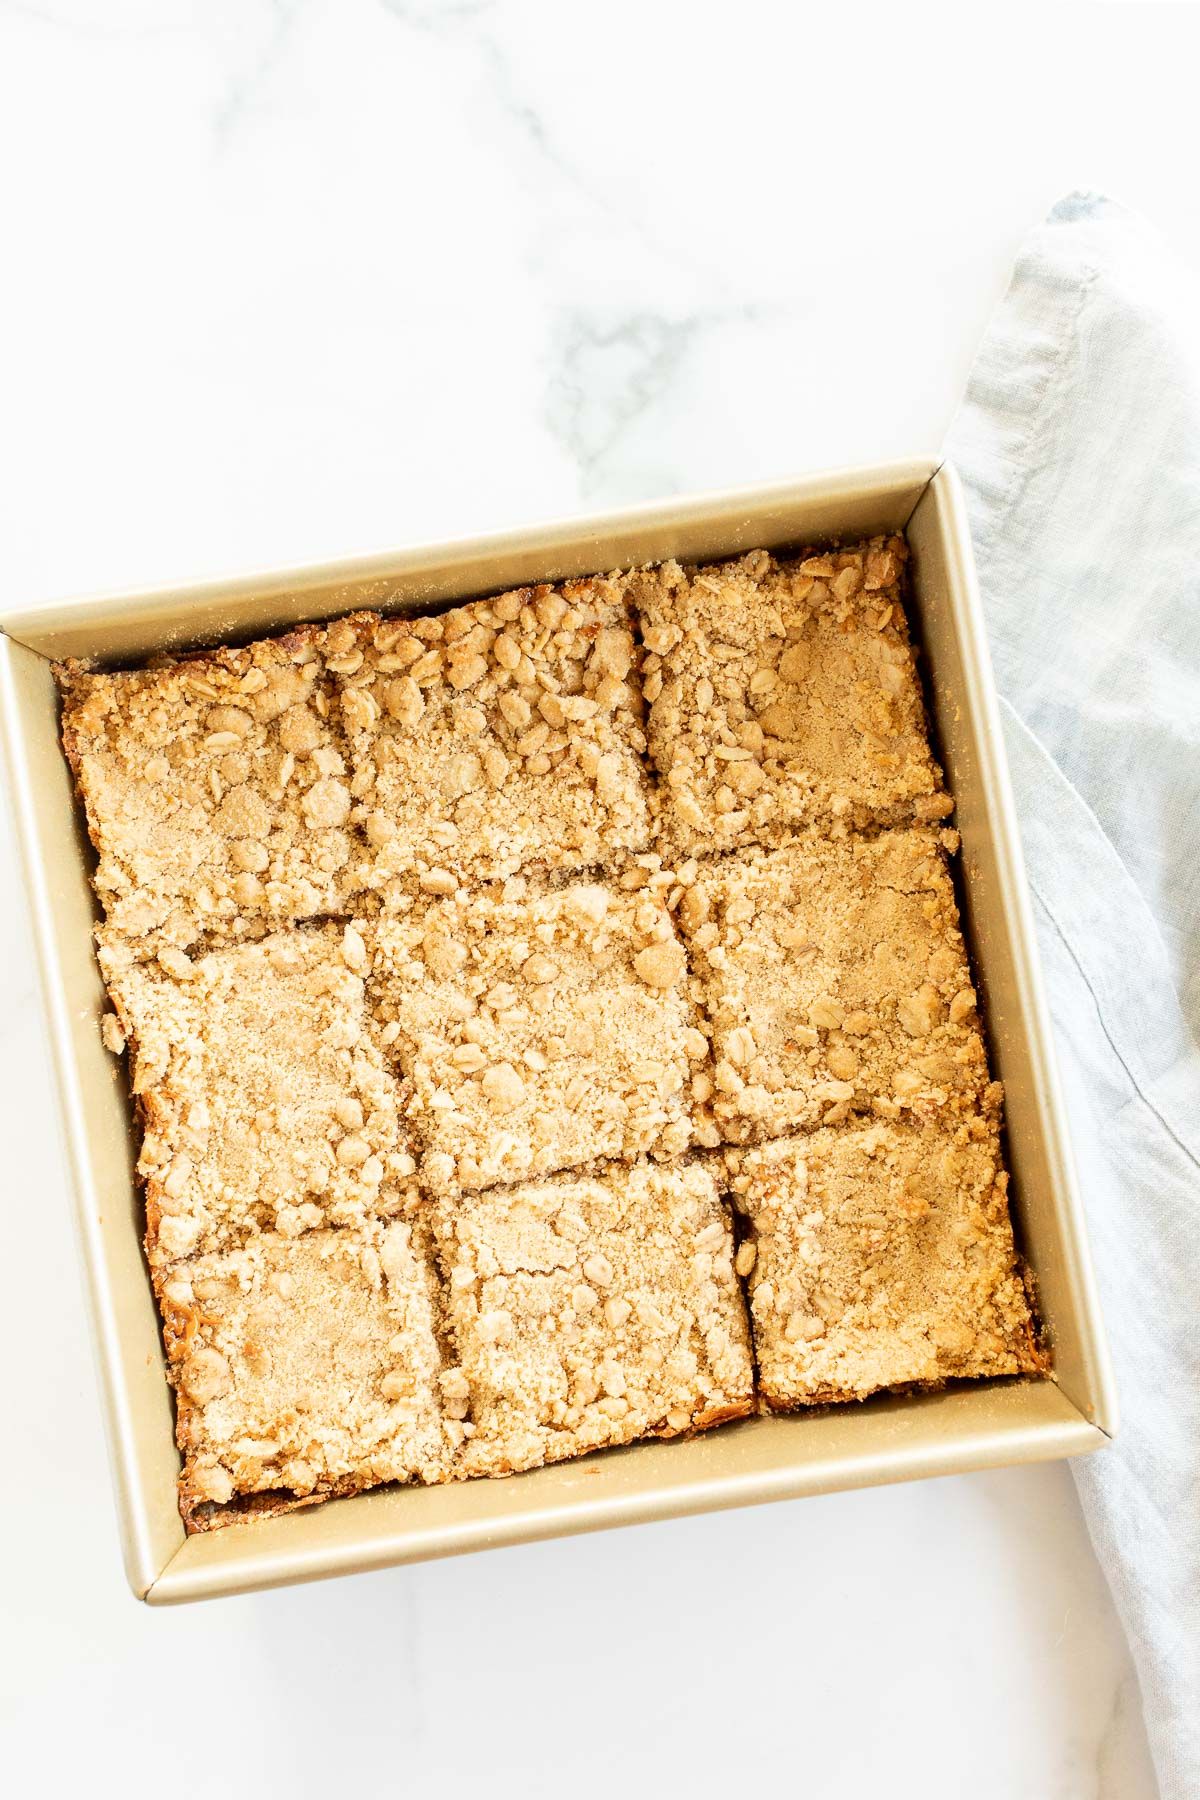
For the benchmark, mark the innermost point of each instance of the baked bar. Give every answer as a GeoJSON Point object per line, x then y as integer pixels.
{"type": "Point", "coordinates": [540, 1030]}
{"type": "Point", "coordinates": [591, 1311]}
{"type": "Point", "coordinates": [303, 1367]}
{"type": "Point", "coordinates": [834, 979]}
{"type": "Point", "coordinates": [215, 789]}
{"type": "Point", "coordinates": [882, 1257]}
{"type": "Point", "coordinates": [265, 1102]}
{"type": "Point", "coordinates": [503, 735]}
{"type": "Point", "coordinates": [783, 693]}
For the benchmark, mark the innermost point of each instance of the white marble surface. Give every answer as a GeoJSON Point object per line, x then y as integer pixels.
{"type": "Point", "coordinates": [285, 280]}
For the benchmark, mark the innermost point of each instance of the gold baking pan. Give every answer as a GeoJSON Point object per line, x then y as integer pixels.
{"type": "Point", "coordinates": [885, 1439]}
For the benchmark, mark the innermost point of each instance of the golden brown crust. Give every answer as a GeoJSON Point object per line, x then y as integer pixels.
{"type": "Point", "coordinates": [204, 1515]}
{"type": "Point", "coordinates": [1033, 1356]}
{"type": "Point", "coordinates": [723, 1415]}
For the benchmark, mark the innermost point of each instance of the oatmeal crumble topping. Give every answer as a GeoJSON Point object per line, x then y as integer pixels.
{"type": "Point", "coordinates": [216, 789]}
{"type": "Point", "coordinates": [265, 1102]}
{"type": "Point", "coordinates": [881, 1255]}
{"type": "Point", "coordinates": [586, 1312]}
{"type": "Point", "coordinates": [540, 1031]}
{"type": "Point", "coordinates": [305, 1364]}
{"type": "Point", "coordinates": [503, 735]}
{"type": "Point", "coordinates": [783, 694]}
{"type": "Point", "coordinates": [834, 979]}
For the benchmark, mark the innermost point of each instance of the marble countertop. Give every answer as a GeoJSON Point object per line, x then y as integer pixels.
{"type": "Point", "coordinates": [288, 279]}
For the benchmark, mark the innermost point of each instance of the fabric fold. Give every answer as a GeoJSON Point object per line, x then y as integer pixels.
{"type": "Point", "coordinates": [1079, 445]}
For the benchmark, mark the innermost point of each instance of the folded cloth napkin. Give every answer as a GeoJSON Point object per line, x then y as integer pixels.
{"type": "Point", "coordinates": [1079, 444]}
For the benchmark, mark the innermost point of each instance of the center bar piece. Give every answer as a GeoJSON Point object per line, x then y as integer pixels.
{"type": "Point", "coordinates": [540, 1031]}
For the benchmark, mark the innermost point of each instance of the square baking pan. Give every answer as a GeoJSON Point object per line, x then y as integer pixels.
{"type": "Point", "coordinates": [888, 1438]}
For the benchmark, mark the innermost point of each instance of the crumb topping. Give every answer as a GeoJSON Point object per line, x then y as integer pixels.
{"type": "Point", "coordinates": [539, 1030]}
{"type": "Point", "coordinates": [834, 979]}
{"type": "Point", "coordinates": [266, 1103]}
{"type": "Point", "coordinates": [305, 1364]}
{"type": "Point", "coordinates": [545, 894]}
{"type": "Point", "coordinates": [586, 1312]}
{"type": "Point", "coordinates": [505, 734]}
{"type": "Point", "coordinates": [216, 789]}
{"type": "Point", "coordinates": [782, 693]}
{"type": "Point", "coordinates": [881, 1255]}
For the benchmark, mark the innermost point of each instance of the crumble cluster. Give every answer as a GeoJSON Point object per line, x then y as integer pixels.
{"type": "Point", "coordinates": [469, 967]}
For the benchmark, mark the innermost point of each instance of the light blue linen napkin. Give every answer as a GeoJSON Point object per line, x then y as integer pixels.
{"type": "Point", "coordinates": [1079, 445]}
